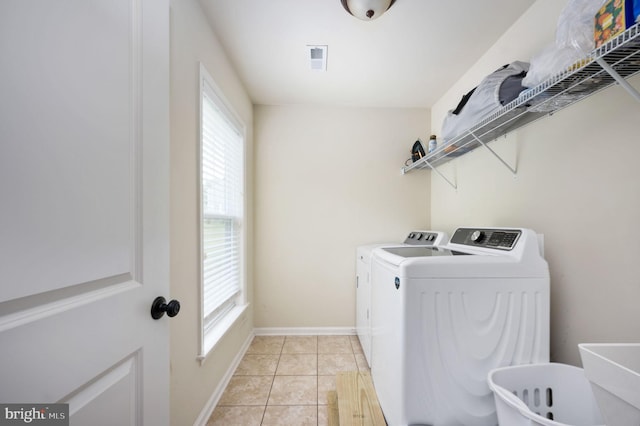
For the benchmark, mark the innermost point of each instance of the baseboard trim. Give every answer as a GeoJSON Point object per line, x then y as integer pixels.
{"type": "Point", "coordinates": [304, 331]}
{"type": "Point", "coordinates": [211, 404]}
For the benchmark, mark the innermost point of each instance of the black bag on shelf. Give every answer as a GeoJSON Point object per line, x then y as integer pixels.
{"type": "Point", "coordinates": [496, 90]}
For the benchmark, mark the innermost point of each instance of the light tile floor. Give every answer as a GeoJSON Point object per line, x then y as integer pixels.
{"type": "Point", "coordinates": [284, 380]}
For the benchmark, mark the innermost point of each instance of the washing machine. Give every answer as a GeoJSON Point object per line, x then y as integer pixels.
{"type": "Point", "coordinates": [363, 280]}
{"type": "Point", "coordinates": [446, 315]}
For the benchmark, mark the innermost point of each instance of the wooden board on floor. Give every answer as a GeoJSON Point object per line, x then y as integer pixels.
{"type": "Point", "coordinates": [332, 409]}
{"type": "Point", "coordinates": [357, 400]}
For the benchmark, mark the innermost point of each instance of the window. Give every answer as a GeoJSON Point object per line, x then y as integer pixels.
{"type": "Point", "coordinates": [222, 140]}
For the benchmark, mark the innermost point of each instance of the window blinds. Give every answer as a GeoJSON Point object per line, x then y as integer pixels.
{"type": "Point", "coordinates": [222, 208]}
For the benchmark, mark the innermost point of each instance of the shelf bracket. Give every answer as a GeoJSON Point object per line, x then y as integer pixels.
{"type": "Point", "coordinates": [617, 77]}
{"type": "Point", "coordinates": [504, 163]}
{"type": "Point", "coordinates": [454, 186]}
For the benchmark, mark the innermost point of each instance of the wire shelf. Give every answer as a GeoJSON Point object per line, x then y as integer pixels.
{"type": "Point", "coordinates": [618, 58]}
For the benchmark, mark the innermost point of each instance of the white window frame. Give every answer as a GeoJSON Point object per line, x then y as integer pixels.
{"type": "Point", "coordinates": [211, 335]}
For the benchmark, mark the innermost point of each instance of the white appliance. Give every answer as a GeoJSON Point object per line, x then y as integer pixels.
{"type": "Point", "coordinates": [444, 316]}
{"type": "Point", "coordinates": [363, 280]}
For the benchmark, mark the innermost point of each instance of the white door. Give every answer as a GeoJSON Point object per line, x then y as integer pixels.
{"type": "Point", "coordinates": [84, 142]}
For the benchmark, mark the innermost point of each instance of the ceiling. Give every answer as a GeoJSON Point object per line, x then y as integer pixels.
{"type": "Point", "coordinates": [406, 58]}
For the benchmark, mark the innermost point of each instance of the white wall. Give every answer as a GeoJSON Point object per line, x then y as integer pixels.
{"type": "Point", "coordinates": [192, 41]}
{"type": "Point", "coordinates": [578, 183]}
{"type": "Point", "coordinates": [326, 181]}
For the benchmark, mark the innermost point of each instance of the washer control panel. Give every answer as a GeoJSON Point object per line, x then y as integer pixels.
{"type": "Point", "coordinates": [502, 239]}
{"type": "Point", "coordinates": [423, 238]}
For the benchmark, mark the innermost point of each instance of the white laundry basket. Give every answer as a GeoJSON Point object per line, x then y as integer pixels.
{"type": "Point", "coordinates": [543, 395]}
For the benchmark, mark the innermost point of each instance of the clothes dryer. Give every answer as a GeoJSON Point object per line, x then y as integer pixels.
{"type": "Point", "coordinates": [363, 280]}
{"type": "Point", "coordinates": [445, 316]}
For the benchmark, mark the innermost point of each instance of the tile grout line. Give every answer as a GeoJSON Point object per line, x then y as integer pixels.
{"type": "Point", "coordinates": [317, 381]}
{"type": "Point", "coordinates": [317, 384]}
{"type": "Point", "coordinates": [273, 379]}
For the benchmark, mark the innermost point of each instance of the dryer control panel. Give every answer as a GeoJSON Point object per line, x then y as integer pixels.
{"type": "Point", "coordinates": [423, 238]}
{"type": "Point", "coordinates": [503, 239]}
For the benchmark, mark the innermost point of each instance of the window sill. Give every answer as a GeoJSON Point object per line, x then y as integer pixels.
{"type": "Point", "coordinates": [213, 337]}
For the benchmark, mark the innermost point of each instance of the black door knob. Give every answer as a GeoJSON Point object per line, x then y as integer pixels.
{"type": "Point", "coordinates": [160, 306]}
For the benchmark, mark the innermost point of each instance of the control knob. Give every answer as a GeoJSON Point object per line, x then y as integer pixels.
{"type": "Point", "coordinates": [477, 236]}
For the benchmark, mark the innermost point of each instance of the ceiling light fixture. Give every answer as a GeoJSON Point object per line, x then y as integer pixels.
{"type": "Point", "coordinates": [367, 10]}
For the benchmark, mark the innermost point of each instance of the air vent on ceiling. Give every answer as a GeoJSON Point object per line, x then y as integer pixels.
{"type": "Point", "coordinates": [317, 57]}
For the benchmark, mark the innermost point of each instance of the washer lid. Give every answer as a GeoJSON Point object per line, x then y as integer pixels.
{"type": "Point", "coordinates": [422, 251]}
